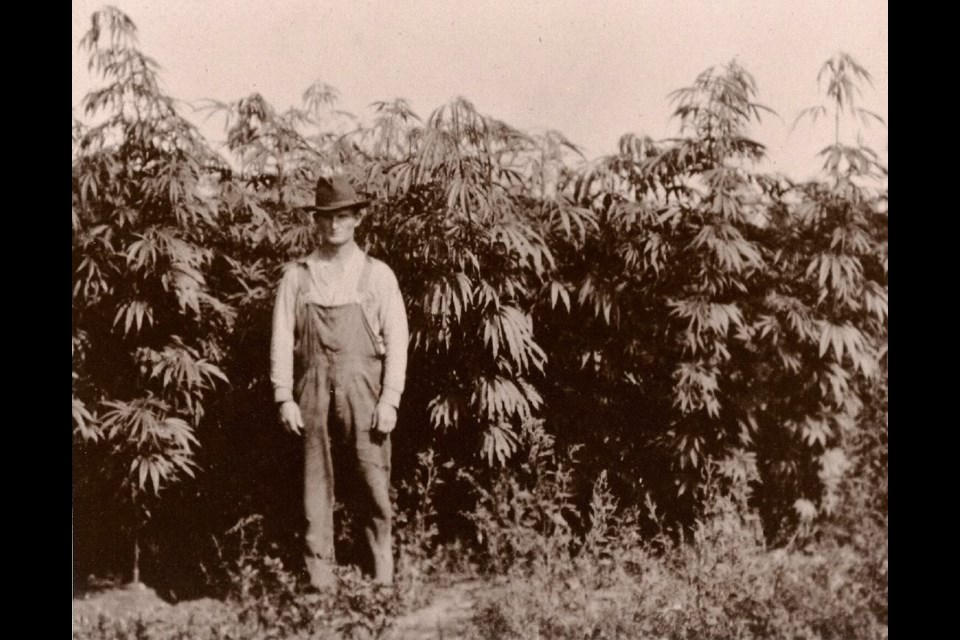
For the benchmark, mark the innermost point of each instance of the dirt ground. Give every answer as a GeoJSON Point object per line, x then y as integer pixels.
{"type": "Point", "coordinates": [134, 601]}
{"type": "Point", "coordinates": [447, 613]}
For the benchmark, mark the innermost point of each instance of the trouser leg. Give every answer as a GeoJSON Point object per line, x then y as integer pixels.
{"type": "Point", "coordinates": [318, 487]}
{"type": "Point", "coordinates": [374, 512]}
{"type": "Point", "coordinates": [377, 519]}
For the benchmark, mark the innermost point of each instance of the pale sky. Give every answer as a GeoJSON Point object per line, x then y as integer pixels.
{"type": "Point", "coordinates": [593, 69]}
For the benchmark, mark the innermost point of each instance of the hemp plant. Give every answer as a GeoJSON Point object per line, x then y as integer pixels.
{"type": "Point", "coordinates": [146, 327]}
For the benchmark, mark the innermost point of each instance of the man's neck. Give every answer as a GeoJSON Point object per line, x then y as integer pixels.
{"type": "Point", "coordinates": [338, 254]}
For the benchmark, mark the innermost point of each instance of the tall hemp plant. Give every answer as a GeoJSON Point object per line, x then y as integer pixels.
{"type": "Point", "coordinates": [451, 222]}
{"type": "Point", "coordinates": [147, 329]}
{"type": "Point", "coordinates": [830, 308]}
{"type": "Point", "coordinates": [690, 343]}
{"type": "Point", "coordinates": [661, 273]}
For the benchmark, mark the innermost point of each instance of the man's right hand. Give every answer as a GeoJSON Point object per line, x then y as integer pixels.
{"type": "Point", "coordinates": [290, 417]}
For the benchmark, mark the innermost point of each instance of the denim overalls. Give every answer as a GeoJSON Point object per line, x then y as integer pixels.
{"type": "Point", "coordinates": [338, 377]}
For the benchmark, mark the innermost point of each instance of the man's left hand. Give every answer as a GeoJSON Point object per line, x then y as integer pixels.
{"type": "Point", "coordinates": [384, 418]}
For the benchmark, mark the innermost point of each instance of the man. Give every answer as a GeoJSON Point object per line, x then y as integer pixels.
{"type": "Point", "coordinates": [338, 362]}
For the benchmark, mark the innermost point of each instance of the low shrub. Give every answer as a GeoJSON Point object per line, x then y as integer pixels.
{"type": "Point", "coordinates": [717, 580]}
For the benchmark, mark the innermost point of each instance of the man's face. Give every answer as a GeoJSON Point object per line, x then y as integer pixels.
{"type": "Point", "coordinates": [336, 227]}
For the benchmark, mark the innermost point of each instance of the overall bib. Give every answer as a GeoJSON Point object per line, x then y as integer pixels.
{"type": "Point", "coordinates": [338, 377]}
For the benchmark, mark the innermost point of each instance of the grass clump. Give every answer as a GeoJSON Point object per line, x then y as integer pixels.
{"type": "Point", "coordinates": [562, 576]}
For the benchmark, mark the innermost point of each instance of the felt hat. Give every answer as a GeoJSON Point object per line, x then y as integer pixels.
{"type": "Point", "coordinates": [334, 194]}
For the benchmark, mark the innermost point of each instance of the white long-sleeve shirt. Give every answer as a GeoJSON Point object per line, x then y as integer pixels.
{"type": "Point", "coordinates": [331, 285]}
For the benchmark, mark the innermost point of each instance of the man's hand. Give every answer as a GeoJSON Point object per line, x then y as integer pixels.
{"type": "Point", "coordinates": [384, 418]}
{"type": "Point", "coordinates": [290, 417]}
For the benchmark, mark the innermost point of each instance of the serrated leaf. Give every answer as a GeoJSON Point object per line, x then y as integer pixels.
{"type": "Point", "coordinates": [155, 478]}
{"type": "Point", "coordinates": [825, 338]}
{"type": "Point", "coordinates": [144, 470]}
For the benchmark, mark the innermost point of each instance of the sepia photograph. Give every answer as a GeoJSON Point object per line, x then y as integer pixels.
{"type": "Point", "coordinates": [434, 319]}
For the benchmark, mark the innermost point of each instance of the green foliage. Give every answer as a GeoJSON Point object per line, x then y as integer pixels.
{"type": "Point", "coordinates": [668, 309]}
{"type": "Point", "coordinates": [416, 523]}
{"type": "Point", "coordinates": [699, 331]}
{"type": "Point", "coordinates": [147, 328]}
{"type": "Point", "coordinates": [472, 266]}
{"type": "Point", "coordinates": [524, 516]}
{"type": "Point", "coordinates": [844, 78]}
{"type": "Point", "coordinates": [562, 577]}
{"type": "Point", "coordinates": [267, 600]}
{"type": "Point", "coordinates": [722, 583]}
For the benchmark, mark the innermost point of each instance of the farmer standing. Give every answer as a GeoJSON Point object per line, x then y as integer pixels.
{"type": "Point", "coordinates": [338, 361]}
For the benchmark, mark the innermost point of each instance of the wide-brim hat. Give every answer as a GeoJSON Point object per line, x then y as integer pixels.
{"type": "Point", "coordinates": [334, 194]}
